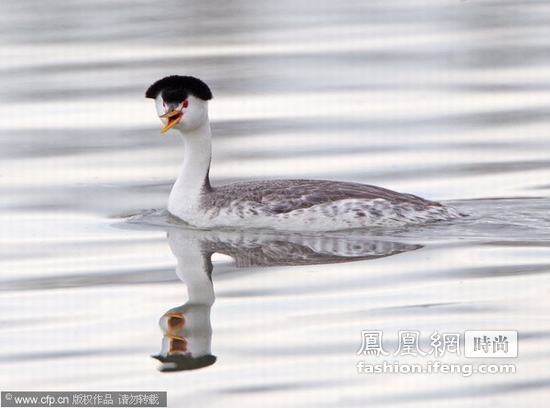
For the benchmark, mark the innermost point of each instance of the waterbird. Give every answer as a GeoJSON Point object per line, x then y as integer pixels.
{"type": "Point", "coordinates": [291, 205]}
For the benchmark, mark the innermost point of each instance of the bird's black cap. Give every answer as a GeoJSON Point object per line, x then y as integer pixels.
{"type": "Point", "coordinates": [176, 88]}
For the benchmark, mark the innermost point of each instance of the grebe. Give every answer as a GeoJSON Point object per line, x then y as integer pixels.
{"type": "Point", "coordinates": [291, 205]}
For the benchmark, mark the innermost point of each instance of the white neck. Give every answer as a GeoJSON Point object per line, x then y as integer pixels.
{"type": "Point", "coordinates": [193, 176]}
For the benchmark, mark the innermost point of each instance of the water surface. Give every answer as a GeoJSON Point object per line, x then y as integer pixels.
{"type": "Point", "coordinates": [444, 99]}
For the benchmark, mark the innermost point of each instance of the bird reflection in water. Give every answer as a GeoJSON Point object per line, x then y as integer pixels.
{"type": "Point", "coordinates": [186, 343]}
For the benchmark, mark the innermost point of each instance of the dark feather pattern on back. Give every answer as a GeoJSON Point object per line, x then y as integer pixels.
{"type": "Point", "coordinates": [282, 196]}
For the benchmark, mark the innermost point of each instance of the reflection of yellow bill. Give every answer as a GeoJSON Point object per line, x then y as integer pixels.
{"type": "Point", "coordinates": [173, 117]}
{"type": "Point", "coordinates": [175, 321]}
{"type": "Point", "coordinates": [177, 345]}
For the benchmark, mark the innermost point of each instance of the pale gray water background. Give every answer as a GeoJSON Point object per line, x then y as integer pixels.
{"type": "Point", "coordinates": [445, 99]}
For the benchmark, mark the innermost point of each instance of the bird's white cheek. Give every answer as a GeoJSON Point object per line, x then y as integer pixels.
{"type": "Point", "coordinates": [182, 123]}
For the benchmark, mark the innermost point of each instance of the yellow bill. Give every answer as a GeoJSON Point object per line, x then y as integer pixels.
{"type": "Point", "coordinates": [173, 118]}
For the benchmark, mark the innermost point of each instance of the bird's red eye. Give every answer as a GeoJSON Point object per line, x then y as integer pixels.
{"type": "Point", "coordinates": [185, 104]}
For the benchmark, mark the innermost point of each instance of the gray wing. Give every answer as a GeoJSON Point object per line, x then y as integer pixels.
{"type": "Point", "coordinates": [281, 196]}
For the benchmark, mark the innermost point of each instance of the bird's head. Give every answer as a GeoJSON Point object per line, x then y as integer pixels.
{"type": "Point", "coordinates": [181, 102]}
